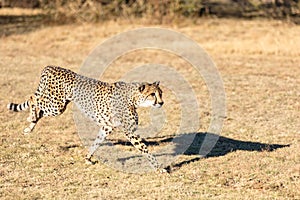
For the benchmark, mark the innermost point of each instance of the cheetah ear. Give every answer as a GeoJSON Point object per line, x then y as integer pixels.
{"type": "Point", "coordinates": [156, 83]}
{"type": "Point", "coordinates": [142, 87]}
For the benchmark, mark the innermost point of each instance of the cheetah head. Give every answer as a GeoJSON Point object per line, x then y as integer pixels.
{"type": "Point", "coordinates": [149, 95]}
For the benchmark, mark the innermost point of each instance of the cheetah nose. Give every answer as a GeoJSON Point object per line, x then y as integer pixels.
{"type": "Point", "coordinates": [161, 103]}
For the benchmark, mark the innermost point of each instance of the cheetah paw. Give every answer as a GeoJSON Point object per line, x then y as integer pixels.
{"type": "Point", "coordinates": [163, 171]}
{"type": "Point", "coordinates": [89, 161]}
{"type": "Point", "coordinates": [26, 131]}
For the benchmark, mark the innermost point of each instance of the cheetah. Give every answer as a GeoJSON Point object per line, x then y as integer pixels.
{"type": "Point", "coordinates": [109, 105]}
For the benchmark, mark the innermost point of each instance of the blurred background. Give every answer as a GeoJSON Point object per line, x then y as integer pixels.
{"type": "Point", "coordinates": [37, 12]}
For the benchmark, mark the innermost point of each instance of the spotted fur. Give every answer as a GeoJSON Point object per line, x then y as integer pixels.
{"type": "Point", "coordinates": [111, 106]}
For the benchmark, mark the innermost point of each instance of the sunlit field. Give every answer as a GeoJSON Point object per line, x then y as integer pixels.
{"type": "Point", "coordinates": [257, 155]}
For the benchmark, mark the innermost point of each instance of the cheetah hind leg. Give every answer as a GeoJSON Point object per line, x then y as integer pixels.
{"type": "Point", "coordinates": [34, 115]}
{"type": "Point", "coordinates": [103, 132]}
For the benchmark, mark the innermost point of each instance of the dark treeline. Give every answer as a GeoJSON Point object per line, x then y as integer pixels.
{"type": "Point", "coordinates": [96, 10]}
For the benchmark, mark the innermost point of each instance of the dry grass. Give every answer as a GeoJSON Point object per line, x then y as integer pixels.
{"type": "Point", "coordinates": [259, 63]}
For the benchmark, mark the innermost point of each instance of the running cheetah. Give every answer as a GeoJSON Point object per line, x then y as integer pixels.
{"type": "Point", "coordinates": [111, 106]}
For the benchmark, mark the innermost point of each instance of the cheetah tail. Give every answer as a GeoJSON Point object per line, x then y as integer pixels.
{"type": "Point", "coordinates": [18, 107]}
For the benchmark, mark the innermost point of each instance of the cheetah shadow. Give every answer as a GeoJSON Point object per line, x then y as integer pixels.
{"type": "Point", "coordinates": [220, 146]}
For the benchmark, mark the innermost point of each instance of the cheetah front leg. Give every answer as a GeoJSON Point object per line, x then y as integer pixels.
{"type": "Point", "coordinates": [129, 127]}
{"type": "Point", "coordinates": [136, 141]}
{"type": "Point", "coordinates": [103, 132]}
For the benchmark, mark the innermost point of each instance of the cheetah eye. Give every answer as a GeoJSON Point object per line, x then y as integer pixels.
{"type": "Point", "coordinates": [152, 94]}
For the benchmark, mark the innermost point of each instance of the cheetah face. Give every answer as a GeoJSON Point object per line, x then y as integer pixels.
{"type": "Point", "coordinates": [150, 95]}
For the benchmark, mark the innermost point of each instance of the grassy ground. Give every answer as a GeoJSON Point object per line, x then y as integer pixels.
{"type": "Point", "coordinates": [257, 156]}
